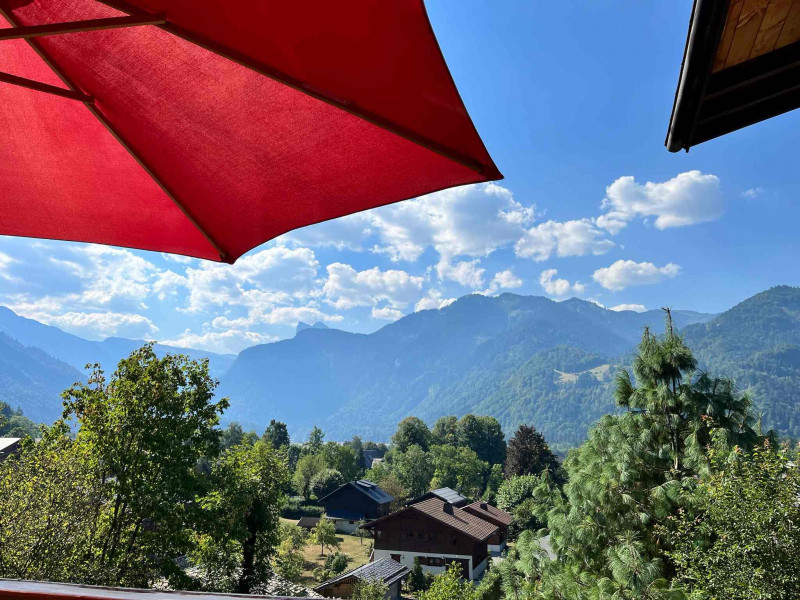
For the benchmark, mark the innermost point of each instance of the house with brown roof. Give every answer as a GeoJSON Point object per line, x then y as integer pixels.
{"type": "Point", "coordinates": [436, 532]}
{"type": "Point", "coordinates": [494, 515]}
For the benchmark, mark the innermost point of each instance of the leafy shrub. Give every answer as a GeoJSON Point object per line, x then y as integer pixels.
{"type": "Point", "coordinates": [326, 481]}
{"type": "Point", "coordinates": [295, 508]}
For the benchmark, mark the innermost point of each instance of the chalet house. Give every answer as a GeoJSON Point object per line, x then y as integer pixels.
{"type": "Point", "coordinates": [438, 533]}
{"type": "Point", "coordinates": [445, 494]}
{"type": "Point", "coordinates": [9, 447]}
{"type": "Point", "coordinates": [355, 501]}
{"type": "Point", "coordinates": [369, 456]}
{"type": "Point", "coordinates": [387, 570]}
{"type": "Point", "coordinates": [495, 516]}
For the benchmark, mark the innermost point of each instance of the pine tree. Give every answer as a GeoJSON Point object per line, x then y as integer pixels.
{"type": "Point", "coordinates": [637, 470]}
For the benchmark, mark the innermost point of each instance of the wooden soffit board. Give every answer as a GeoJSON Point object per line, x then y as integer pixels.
{"type": "Point", "coordinates": [741, 65]}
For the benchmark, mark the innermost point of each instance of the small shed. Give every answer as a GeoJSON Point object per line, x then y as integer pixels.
{"type": "Point", "coordinates": [387, 570]}
{"type": "Point", "coordinates": [308, 522]}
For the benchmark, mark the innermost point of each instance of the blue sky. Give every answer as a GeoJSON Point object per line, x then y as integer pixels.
{"type": "Point", "coordinates": [572, 100]}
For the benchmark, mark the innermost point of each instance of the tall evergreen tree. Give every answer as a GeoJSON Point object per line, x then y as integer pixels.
{"type": "Point", "coordinates": [528, 453]}
{"type": "Point", "coordinates": [636, 470]}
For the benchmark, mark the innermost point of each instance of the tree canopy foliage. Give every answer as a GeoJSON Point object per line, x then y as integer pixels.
{"type": "Point", "coordinates": [529, 454]}
{"type": "Point", "coordinates": [143, 482]}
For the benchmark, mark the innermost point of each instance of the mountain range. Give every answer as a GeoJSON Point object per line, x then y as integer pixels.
{"type": "Point", "coordinates": [38, 362]}
{"type": "Point", "coordinates": [518, 358]}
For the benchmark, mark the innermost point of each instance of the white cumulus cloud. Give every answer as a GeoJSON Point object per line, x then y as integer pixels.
{"type": "Point", "coordinates": [347, 288]}
{"type": "Point", "coordinates": [503, 280]}
{"type": "Point", "coordinates": [568, 238]}
{"type": "Point", "coordinates": [633, 307]}
{"type": "Point", "coordinates": [433, 300]}
{"type": "Point", "coordinates": [625, 273]}
{"type": "Point", "coordinates": [98, 325]}
{"type": "Point", "coordinates": [228, 341]}
{"type": "Point", "coordinates": [467, 273]}
{"type": "Point", "coordinates": [554, 286]}
{"type": "Point", "coordinates": [686, 199]}
{"type": "Point", "coordinates": [387, 313]}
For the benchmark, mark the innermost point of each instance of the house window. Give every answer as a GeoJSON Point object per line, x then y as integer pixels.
{"type": "Point", "coordinates": [351, 522]}
{"type": "Point", "coordinates": [378, 533]}
{"type": "Point", "coordinates": [453, 540]}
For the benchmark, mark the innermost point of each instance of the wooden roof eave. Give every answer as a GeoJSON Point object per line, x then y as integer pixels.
{"type": "Point", "coordinates": [705, 30]}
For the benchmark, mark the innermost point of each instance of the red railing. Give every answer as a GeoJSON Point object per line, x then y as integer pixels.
{"type": "Point", "coordinates": [15, 589]}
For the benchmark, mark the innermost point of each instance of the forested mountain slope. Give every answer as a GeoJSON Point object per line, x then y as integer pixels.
{"type": "Point", "coordinates": [78, 352]}
{"type": "Point", "coordinates": [38, 362]}
{"type": "Point", "coordinates": [463, 358]}
{"type": "Point", "coordinates": [32, 379]}
{"type": "Point", "coordinates": [757, 343]}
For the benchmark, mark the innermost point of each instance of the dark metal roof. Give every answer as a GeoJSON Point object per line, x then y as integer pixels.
{"type": "Point", "coordinates": [308, 522]}
{"type": "Point", "coordinates": [367, 488]}
{"type": "Point", "coordinates": [368, 455]}
{"type": "Point", "coordinates": [449, 495]}
{"type": "Point", "coordinates": [385, 569]}
{"type": "Point", "coordinates": [713, 100]}
{"type": "Point", "coordinates": [446, 494]}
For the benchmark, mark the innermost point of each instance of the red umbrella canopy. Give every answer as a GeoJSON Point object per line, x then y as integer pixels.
{"type": "Point", "coordinates": [207, 127]}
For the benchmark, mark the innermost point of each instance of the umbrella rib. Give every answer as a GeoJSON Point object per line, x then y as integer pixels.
{"type": "Point", "coordinates": [112, 130]}
{"type": "Point", "coordinates": [44, 87]}
{"type": "Point", "coordinates": [303, 87]}
{"type": "Point", "coordinates": [31, 31]}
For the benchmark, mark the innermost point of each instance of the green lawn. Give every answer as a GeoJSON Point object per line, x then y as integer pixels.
{"type": "Point", "coordinates": [348, 544]}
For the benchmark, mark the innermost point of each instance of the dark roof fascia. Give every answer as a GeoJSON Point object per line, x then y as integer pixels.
{"type": "Point", "coordinates": [705, 29]}
{"type": "Point", "coordinates": [360, 489]}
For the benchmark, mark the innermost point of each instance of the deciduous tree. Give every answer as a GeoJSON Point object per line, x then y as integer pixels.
{"type": "Point", "coordinates": [411, 431]}
{"type": "Point", "coordinates": [244, 507]}
{"type": "Point", "coordinates": [276, 434]}
{"type": "Point", "coordinates": [146, 428]}
{"type": "Point", "coordinates": [324, 534]}
{"type": "Point", "coordinates": [414, 469]}
{"type": "Point", "coordinates": [740, 540]}
{"type": "Point", "coordinates": [458, 468]}
{"type": "Point", "coordinates": [308, 466]}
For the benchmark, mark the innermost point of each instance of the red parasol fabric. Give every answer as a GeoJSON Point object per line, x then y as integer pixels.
{"type": "Point", "coordinates": [207, 127]}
